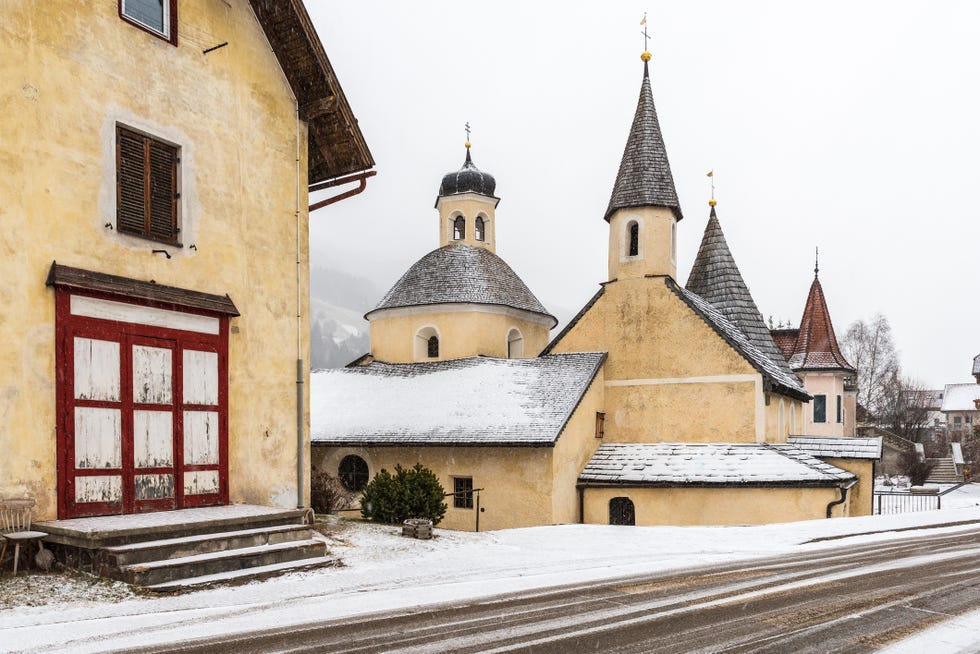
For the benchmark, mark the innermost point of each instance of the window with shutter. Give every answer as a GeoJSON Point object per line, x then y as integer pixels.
{"type": "Point", "coordinates": [146, 187]}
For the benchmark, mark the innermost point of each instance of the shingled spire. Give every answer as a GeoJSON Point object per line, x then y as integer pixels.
{"type": "Point", "coordinates": [716, 278]}
{"type": "Point", "coordinates": [816, 345]}
{"type": "Point", "coordinates": [644, 178]}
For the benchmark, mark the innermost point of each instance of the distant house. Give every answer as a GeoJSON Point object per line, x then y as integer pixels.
{"type": "Point", "coordinates": [154, 172]}
{"type": "Point", "coordinates": [656, 404]}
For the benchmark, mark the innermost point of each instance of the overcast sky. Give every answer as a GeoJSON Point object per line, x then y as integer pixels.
{"type": "Point", "coordinates": [851, 126]}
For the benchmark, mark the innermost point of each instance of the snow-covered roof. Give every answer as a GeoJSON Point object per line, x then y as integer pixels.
{"type": "Point", "coordinates": [842, 447]}
{"type": "Point", "coordinates": [961, 397]}
{"type": "Point", "coordinates": [474, 401]}
{"type": "Point", "coordinates": [710, 464]}
{"type": "Point", "coordinates": [976, 365]}
{"type": "Point", "coordinates": [459, 273]}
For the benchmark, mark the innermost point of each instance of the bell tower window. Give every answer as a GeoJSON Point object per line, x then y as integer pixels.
{"type": "Point", "coordinates": [459, 228]}
{"type": "Point", "coordinates": [479, 232]}
{"type": "Point", "coordinates": [633, 230]}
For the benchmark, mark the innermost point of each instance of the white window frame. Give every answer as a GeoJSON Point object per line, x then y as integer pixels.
{"type": "Point", "coordinates": [166, 19]}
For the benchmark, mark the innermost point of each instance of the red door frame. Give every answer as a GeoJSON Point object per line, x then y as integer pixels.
{"type": "Point", "coordinates": [66, 327]}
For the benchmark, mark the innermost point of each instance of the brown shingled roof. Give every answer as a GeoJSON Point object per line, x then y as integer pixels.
{"type": "Point", "coordinates": [816, 345]}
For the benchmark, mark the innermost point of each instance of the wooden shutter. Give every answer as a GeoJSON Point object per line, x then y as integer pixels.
{"type": "Point", "coordinates": [163, 191]}
{"type": "Point", "coordinates": [146, 174]}
{"type": "Point", "coordinates": [130, 182]}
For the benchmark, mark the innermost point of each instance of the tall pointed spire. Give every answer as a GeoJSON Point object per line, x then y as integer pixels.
{"type": "Point", "coordinates": [644, 178]}
{"type": "Point", "coordinates": [717, 279]}
{"type": "Point", "coordinates": [816, 345]}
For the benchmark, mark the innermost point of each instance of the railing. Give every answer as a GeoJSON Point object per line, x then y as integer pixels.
{"type": "Point", "coordinates": [892, 502]}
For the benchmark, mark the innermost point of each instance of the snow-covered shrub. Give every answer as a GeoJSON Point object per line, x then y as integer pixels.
{"type": "Point", "coordinates": [328, 494]}
{"type": "Point", "coordinates": [412, 493]}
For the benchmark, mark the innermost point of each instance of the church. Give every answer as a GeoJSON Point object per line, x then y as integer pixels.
{"type": "Point", "coordinates": [657, 404]}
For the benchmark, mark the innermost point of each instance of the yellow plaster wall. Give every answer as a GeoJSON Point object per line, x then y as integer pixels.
{"type": "Point", "coordinates": [778, 429]}
{"type": "Point", "coordinates": [707, 506]}
{"type": "Point", "coordinates": [470, 332]}
{"type": "Point", "coordinates": [860, 496]}
{"type": "Point", "coordinates": [516, 482]}
{"type": "Point", "coordinates": [69, 72]}
{"type": "Point", "coordinates": [830, 384]}
{"type": "Point", "coordinates": [574, 448]}
{"type": "Point", "coordinates": [669, 376]}
{"type": "Point", "coordinates": [656, 253]}
{"type": "Point", "coordinates": [469, 206]}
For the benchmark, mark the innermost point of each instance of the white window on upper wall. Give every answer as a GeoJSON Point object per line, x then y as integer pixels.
{"type": "Point", "coordinates": [158, 17]}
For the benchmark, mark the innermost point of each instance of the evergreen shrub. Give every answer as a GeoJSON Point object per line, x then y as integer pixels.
{"type": "Point", "coordinates": [412, 493]}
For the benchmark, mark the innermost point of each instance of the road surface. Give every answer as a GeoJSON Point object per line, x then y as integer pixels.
{"type": "Point", "coordinates": [845, 598]}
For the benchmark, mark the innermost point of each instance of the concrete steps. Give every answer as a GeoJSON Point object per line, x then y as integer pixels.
{"type": "Point", "coordinates": [171, 551]}
{"type": "Point", "coordinates": [944, 472]}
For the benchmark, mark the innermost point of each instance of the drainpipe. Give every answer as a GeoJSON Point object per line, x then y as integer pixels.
{"type": "Point", "coordinates": [360, 177]}
{"type": "Point", "coordinates": [843, 495]}
{"type": "Point", "coordinates": [300, 431]}
{"type": "Point", "coordinates": [581, 504]}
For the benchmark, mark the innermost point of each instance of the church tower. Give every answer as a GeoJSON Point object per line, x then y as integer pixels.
{"type": "Point", "coordinates": [460, 300]}
{"type": "Point", "coordinates": [643, 210]}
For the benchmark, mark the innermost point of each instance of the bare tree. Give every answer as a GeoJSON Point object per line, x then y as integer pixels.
{"type": "Point", "coordinates": [905, 407]}
{"type": "Point", "coordinates": [869, 348]}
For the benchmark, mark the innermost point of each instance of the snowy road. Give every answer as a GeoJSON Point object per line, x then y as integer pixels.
{"type": "Point", "coordinates": [844, 598]}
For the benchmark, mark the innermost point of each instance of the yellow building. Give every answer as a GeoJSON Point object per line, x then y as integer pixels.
{"type": "Point", "coordinates": [154, 250]}
{"type": "Point", "coordinates": [684, 420]}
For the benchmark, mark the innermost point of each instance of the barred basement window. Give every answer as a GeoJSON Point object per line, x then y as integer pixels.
{"type": "Point", "coordinates": [146, 187]}
{"type": "Point", "coordinates": [463, 492]}
{"type": "Point", "coordinates": [158, 17]}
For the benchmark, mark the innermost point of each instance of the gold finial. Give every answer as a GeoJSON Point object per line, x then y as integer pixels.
{"type": "Point", "coordinates": [468, 135]}
{"type": "Point", "coordinates": [646, 56]}
{"type": "Point", "coordinates": [712, 202]}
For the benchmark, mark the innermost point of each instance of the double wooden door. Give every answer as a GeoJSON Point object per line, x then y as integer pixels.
{"type": "Point", "coordinates": [144, 420]}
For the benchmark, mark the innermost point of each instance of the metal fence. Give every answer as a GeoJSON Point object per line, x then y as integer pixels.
{"type": "Point", "coordinates": [891, 502]}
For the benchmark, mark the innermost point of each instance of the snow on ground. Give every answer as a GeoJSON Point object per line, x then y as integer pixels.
{"type": "Point", "coordinates": [383, 571]}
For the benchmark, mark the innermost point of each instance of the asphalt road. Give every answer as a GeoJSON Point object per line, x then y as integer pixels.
{"type": "Point", "coordinates": [844, 598]}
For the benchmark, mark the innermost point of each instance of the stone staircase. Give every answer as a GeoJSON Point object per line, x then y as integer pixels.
{"type": "Point", "coordinates": [943, 472]}
{"type": "Point", "coordinates": [193, 553]}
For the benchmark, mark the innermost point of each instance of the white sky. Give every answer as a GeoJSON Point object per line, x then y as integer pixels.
{"type": "Point", "coordinates": [848, 126]}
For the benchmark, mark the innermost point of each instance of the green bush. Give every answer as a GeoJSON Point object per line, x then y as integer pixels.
{"type": "Point", "coordinates": [412, 493]}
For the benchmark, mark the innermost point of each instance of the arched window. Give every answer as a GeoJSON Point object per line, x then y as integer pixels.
{"type": "Point", "coordinates": [459, 228]}
{"type": "Point", "coordinates": [782, 418]}
{"type": "Point", "coordinates": [515, 344]}
{"type": "Point", "coordinates": [634, 235]}
{"type": "Point", "coordinates": [621, 511]}
{"type": "Point", "coordinates": [792, 418]}
{"type": "Point", "coordinates": [479, 232]}
{"type": "Point", "coordinates": [426, 344]}
{"type": "Point", "coordinates": [353, 472]}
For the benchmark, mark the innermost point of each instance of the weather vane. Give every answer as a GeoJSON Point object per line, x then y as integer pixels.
{"type": "Point", "coordinates": [712, 202]}
{"type": "Point", "coordinates": [646, 36]}
{"type": "Point", "coordinates": [467, 133]}
{"type": "Point", "coordinates": [816, 262]}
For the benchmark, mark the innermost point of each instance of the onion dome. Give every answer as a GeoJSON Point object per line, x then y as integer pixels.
{"type": "Point", "coordinates": [468, 179]}
{"type": "Point", "coordinates": [461, 274]}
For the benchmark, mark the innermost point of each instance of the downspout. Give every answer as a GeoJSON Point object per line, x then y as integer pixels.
{"type": "Point", "coordinates": [581, 504]}
{"type": "Point", "coordinates": [300, 431]}
{"type": "Point", "coordinates": [843, 495]}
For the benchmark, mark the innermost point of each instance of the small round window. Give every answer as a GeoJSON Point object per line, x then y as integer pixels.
{"type": "Point", "coordinates": [353, 472]}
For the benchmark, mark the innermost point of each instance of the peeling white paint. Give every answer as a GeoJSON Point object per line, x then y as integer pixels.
{"type": "Point", "coordinates": [96, 370]}
{"type": "Point", "coordinates": [98, 438]}
{"type": "Point", "coordinates": [140, 315]}
{"type": "Point", "coordinates": [153, 440]}
{"type": "Point", "coordinates": [152, 375]}
{"type": "Point", "coordinates": [201, 482]}
{"type": "Point", "coordinates": [154, 487]}
{"type": "Point", "coordinates": [201, 437]}
{"type": "Point", "coordinates": [103, 488]}
{"type": "Point", "coordinates": [200, 377]}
